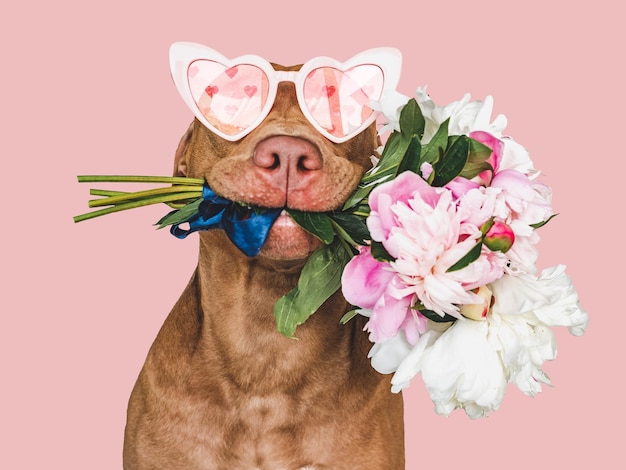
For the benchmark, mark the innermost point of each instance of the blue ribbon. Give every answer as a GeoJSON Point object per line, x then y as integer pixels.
{"type": "Point", "coordinates": [246, 228]}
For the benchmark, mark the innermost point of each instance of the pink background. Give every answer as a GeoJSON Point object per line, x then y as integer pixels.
{"type": "Point", "coordinates": [86, 89]}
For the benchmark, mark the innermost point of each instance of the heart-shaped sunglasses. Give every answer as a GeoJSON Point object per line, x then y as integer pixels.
{"type": "Point", "coordinates": [232, 97]}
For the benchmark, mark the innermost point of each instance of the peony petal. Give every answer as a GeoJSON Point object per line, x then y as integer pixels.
{"type": "Point", "coordinates": [524, 345]}
{"type": "Point", "coordinates": [390, 105]}
{"type": "Point", "coordinates": [551, 298]}
{"type": "Point", "coordinates": [412, 363]}
{"type": "Point", "coordinates": [413, 326]}
{"type": "Point", "coordinates": [387, 355]}
{"type": "Point", "coordinates": [400, 189]}
{"type": "Point", "coordinates": [517, 187]}
{"type": "Point", "coordinates": [364, 279]}
{"type": "Point", "coordinates": [463, 370]}
{"type": "Point", "coordinates": [515, 157]}
{"type": "Point", "coordinates": [460, 186]}
{"type": "Point", "coordinates": [565, 310]}
{"type": "Point", "coordinates": [520, 294]}
{"type": "Point", "coordinates": [388, 315]}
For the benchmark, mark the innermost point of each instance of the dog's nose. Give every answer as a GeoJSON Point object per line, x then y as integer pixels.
{"type": "Point", "coordinates": [288, 165]}
{"type": "Point", "coordinates": [286, 153]}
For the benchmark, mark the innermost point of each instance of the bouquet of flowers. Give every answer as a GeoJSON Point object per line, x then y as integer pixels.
{"type": "Point", "coordinates": [449, 281]}
{"type": "Point", "coordinates": [437, 247]}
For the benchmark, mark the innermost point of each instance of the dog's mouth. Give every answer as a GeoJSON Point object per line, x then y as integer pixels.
{"type": "Point", "coordinates": [285, 239]}
{"type": "Point", "coordinates": [278, 233]}
{"type": "Point", "coordinates": [288, 241]}
{"type": "Point", "coordinates": [284, 219]}
{"type": "Point", "coordinates": [245, 211]}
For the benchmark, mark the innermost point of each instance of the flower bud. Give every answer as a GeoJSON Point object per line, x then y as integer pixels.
{"type": "Point", "coordinates": [478, 311]}
{"type": "Point", "coordinates": [498, 237]}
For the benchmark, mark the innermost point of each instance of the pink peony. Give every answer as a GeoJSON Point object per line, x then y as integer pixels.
{"type": "Point", "coordinates": [422, 228]}
{"type": "Point", "coordinates": [429, 229]}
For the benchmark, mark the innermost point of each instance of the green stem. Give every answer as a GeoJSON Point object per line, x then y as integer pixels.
{"type": "Point", "coordinates": [105, 192]}
{"type": "Point", "coordinates": [128, 197]}
{"type": "Point", "coordinates": [139, 179]}
{"type": "Point", "coordinates": [129, 205]}
{"type": "Point", "coordinates": [177, 205]}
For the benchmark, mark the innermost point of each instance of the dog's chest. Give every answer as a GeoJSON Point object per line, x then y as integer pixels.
{"type": "Point", "coordinates": [257, 433]}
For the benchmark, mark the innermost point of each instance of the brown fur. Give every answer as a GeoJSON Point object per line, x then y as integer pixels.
{"type": "Point", "coordinates": [221, 388]}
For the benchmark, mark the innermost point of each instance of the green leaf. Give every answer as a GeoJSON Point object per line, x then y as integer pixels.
{"type": "Point", "coordinates": [476, 159]}
{"type": "Point", "coordinates": [379, 252]}
{"type": "Point", "coordinates": [466, 260]}
{"type": "Point", "coordinates": [395, 149]}
{"type": "Point", "coordinates": [386, 169]}
{"type": "Point", "coordinates": [395, 145]}
{"type": "Point", "coordinates": [348, 316]}
{"type": "Point", "coordinates": [180, 215]}
{"type": "Point", "coordinates": [411, 160]}
{"type": "Point", "coordinates": [316, 223]}
{"type": "Point", "coordinates": [434, 316]}
{"type": "Point", "coordinates": [435, 148]}
{"type": "Point", "coordinates": [359, 195]}
{"type": "Point", "coordinates": [478, 152]}
{"type": "Point", "coordinates": [320, 278]}
{"type": "Point", "coordinates": [362, 210]}
{"type": "Point", "coordinates": [541, 224]}
{"type": "Point", "coordinates": [472, 169]}
{"type": "Point", "coordinates": [353, 225]}
{"type": "Point", "coordinates": [402, 152]}
{"type": "Point", "coordinates": [452, 161]}
{"type": "Point", "coordinates": [411, 120]}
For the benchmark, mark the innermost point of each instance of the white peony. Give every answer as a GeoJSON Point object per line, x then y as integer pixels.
{"type": "Point", "coordinates": [550, 299]}
{"type": "Point", "coordinates": [465, 116]}
{"type": "Point", "coordinates": [469, 116]}
{"type": "Point", "coordinates": [469, 364]}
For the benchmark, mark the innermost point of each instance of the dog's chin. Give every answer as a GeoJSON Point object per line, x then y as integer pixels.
{"type": "Point", "coordinates": [287, 241]}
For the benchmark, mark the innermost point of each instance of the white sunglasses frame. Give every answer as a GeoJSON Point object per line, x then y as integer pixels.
{"type": "Point", "coordinates": [183, 54]}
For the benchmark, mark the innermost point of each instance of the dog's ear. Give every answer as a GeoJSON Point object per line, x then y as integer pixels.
{"type": "Point", "coordinates": [180, 158]}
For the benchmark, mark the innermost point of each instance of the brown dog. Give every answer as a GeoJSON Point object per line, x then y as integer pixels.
{"type": "Point", "coordinates": [221, 388]}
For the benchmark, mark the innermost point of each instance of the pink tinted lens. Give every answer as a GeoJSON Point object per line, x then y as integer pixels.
{"type": "Point", "coordinates": [230, 98]}
{"type": "Point", "coordinates": [339, 100]}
